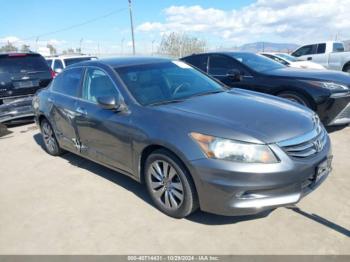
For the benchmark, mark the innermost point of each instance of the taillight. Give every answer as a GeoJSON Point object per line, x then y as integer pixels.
{"type": "Point", "coordinates": [53, 73]}
{"type": "Point", "coordinates": [17, 54]}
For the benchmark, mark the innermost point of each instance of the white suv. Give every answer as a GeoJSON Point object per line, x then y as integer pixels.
{"type": "Point", "coordinates": [58, 63]}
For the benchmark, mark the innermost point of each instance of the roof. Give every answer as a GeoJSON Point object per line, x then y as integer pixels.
{"type": "Point", "coordinates": [18, 53]}
{"type": "Point", "coordinates": [67, 56]}
{"type": "Point", "coordinates": [127, 61]}
{"type": "Point", "coordinates": [229, 53]}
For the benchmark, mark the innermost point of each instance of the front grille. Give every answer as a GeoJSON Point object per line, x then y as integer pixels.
{"type": "Point", "coordinates": [313, 144]}
{"type": "Point", "coordinates": [345, 113]}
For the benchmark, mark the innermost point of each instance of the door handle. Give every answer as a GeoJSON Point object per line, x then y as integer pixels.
{"type": "Point", "coordinates": [309, 58]}
{"type": "Point", "coordinates": [81, 111]}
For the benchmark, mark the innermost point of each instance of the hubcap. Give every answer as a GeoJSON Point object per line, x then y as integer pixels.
{"type": "Point", "coordinates": [166, 184]}
{"type": "Point", "coordinates": [49, 138]}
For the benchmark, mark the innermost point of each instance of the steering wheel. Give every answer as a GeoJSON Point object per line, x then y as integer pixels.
{"type": "Point", "coordinates": [179, 87]}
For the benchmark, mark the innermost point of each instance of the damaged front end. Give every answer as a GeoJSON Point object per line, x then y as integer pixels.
{"type": "Point", "coordinates": [16, 109]}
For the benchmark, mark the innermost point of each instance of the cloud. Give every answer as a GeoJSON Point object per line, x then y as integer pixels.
{"type": "Point", "coordinates": [265, 20]}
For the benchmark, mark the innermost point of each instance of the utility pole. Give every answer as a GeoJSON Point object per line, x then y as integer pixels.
{"type": "Point", "coordinates": [36, 44]}
{"type": "Point", "coordinates": [132, 29]}
{"type": "Point", "coordinates": [152, 46]}
{"type": "Point", "coordinates": [80, 45]}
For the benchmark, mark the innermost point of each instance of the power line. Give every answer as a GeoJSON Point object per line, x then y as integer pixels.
{"type": "Point", "coordinates": [75, 25]}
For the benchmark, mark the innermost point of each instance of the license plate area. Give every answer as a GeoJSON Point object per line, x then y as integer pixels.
{"type": "Point", "coordinates": [323, 169]}
{"type": "Point", "coordinates": [25, 84]}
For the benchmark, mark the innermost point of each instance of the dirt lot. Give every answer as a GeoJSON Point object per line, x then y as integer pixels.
{"type": "Point", "coordinates": [68, 205]}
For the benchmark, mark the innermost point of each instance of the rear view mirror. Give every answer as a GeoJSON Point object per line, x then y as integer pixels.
{"type": "Point", "coordinates": [109, 102]}
{"type": "Point", "coordinates": [234, 75]}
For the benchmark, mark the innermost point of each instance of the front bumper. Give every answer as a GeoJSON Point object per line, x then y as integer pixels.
{"type": "Point", "coordinates": [18, 108]}
{"type": "Point", "coordinates": [228, 188]}
{"type": "Point", "coordinates": [336, 111]}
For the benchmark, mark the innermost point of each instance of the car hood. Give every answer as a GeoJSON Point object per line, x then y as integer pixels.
{"type": "Point", "coordinates": [263, 117]}
{"type": "Point", "coordinates": [319, 75]}
{"type": "Point", "coordinates": [307, 65]}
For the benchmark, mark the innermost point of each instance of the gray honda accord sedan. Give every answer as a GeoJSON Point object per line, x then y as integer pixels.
{"type": "Point", "coordinates": [193, 142]}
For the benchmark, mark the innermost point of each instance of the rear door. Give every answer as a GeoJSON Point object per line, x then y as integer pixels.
{"type": "Point", "coordinates": [22, 74]}
{"type": "Point", "coordinates": [63, 102]}
{"type": "Point", "coordinates": [320, 56]}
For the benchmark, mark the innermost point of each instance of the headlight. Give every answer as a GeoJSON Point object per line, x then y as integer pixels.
{"type": "Point", "coordinates": [334, 86]}
{"type": "Point", "coordinates": [329, 85]}
{"type": "Point", "coordinates": [236, 151]}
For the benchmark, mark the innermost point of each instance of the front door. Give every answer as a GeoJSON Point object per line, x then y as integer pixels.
{"type": "Point", "coordinates": [221, 65]}
{"type": "Point", "coordinates": [104, 134]}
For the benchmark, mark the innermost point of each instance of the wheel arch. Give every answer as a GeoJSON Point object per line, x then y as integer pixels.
{"type": "Point", "coordinates": [346, 65]}
{"type": "Point", "coordinates": [148, 150]}
{"type": "Point", "coordinates": [301, 92]}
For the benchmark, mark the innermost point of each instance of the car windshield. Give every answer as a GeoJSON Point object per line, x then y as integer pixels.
{"type": "Point", "coordinates": [287, 57]}
{"type": "Point", "coordinates": [256, 62]}
{"type": "Point", "coordinates": [166, 82]}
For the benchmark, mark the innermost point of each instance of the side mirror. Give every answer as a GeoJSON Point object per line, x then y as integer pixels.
{"type": "Point", "coordinates": [234, 75]}
{"type": "Point", "coordinates": [110, 102]}
{"type": "Point", "coordinates": [58, 70]}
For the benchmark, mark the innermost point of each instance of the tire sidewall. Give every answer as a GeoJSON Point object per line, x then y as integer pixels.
{"type": "Point", "coordinates": [188, 203]}
{"type": "Point", "coordinates": [57, 150]}
{"type": "Point", "coordinates": [297, 96]}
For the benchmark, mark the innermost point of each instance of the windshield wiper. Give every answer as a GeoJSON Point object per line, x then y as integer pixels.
{"type": "Point", "coordinates": [207, 93]}
{"type": "Point", "coordinates": [166, 102]}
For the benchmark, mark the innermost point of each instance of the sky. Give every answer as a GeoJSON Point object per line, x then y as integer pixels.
{"type": "Point", "coordinates": [103, 26]}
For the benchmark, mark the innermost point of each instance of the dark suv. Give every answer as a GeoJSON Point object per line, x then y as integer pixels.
{"type": "Point", "coordinates": [21, 75]}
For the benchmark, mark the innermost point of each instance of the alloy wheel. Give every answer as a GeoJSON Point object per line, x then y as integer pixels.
{"type": "Point", "coordinates": [166, 185]}
{"type": "Point", "coordinates": [49, 138]}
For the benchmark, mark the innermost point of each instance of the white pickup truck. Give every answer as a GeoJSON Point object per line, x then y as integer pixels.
{"type": "Point", "coordinates": [329, 54]}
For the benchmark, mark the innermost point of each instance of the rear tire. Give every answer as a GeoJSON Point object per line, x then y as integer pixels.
{"type": "Point", "coordinates": [169, 184]}
{"type": "Point", "coordinates": [296, 98]}
{"type": "Point", "coordinates": [50, 142]}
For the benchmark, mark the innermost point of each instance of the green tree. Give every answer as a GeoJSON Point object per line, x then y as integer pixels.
{"type": "Point", "coordinates": [25, 48]}
{"type": "Point", "coordinates": [52, 49]}
{"type": "Point", "coordinates": [8, 48]}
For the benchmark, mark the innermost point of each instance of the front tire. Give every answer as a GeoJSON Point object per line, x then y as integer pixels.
{"type": "Point", "coordinates": [295, 97]}
{"type": "Point", "coordinates": [50, 142]}
{"type": "Point", "coordinates": [169, 185]}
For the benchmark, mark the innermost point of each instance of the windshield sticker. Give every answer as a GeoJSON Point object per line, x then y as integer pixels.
{"type": "Point", "coordinates": [181, 64]}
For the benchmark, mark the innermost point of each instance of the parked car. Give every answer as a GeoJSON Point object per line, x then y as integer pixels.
{"type": "Point", "coordinates": [193, 142]}
{"type": "Point", "coordinates": [325, 92]}
{"type": "Point", "coordinates": [291, 61]}
{"type": "Point", "coordinates": [329, 54]}
{"type": "Point", "coordinates": [58, 63]}
{"type": "Point", "coordinates": [21, 75]}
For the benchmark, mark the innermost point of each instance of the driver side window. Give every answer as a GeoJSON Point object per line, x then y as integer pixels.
{"type": "Point", "coordinates": [97, 84]}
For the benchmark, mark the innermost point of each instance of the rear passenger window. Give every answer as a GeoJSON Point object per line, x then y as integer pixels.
{"type": "Point", "coordinates": [321, 48]}
{"type": "Point", "coordinates": [199, 61]}
{"type": "Point", "coordinates": [220, 65]}
{"type": "Point", "coordinates": [68, 82]}
{"type": "Point", "coordinates": [57, 65]}
{"type": "Point", "coordinates": [305, 50]}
